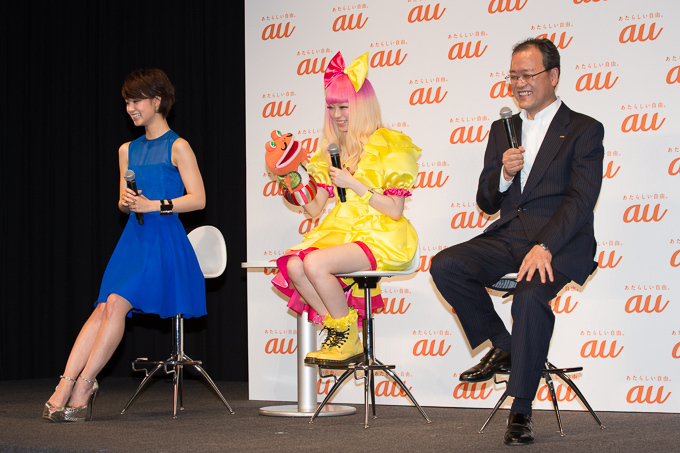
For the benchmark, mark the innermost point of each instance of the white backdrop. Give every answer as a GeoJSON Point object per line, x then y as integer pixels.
{"type": "Point", "coordinates": [438, 70]}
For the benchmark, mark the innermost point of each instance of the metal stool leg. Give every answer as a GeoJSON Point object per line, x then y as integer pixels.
{"type": "Point", "coordinates": [572, 385]}
{"type": "Point", "coordinates": [493, 412]}
{"type": "Point", "coordinates": [144, 381]}
{"type": "Point", "coordinates": [212, 384]}
{"type": "Point", "coordinates": [175, 366]}
{"type": "Point", "coordinates": [370, 363]}
{"type": "Point", "coordinates": [547, 373]}
{"type": "Point", "coordinates": [331, 392]}
{"type": "Point", "coordinates": [551, 388]}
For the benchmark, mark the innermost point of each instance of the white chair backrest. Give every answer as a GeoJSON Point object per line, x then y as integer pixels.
{"type": "Point", "coordinates": [211, 250]}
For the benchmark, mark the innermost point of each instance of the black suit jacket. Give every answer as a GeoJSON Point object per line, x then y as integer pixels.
{"type": "Point", "coordinates": [556, 206]}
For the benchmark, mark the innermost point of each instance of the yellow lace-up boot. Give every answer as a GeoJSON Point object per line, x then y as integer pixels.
{"type": "Point", "coordinates": [344, 347]}
{"type": "Point", "coordinates": [325, 346]}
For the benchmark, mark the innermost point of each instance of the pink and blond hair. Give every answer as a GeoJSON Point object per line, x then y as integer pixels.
{"type": "Point", "coordinates": [364, 118]}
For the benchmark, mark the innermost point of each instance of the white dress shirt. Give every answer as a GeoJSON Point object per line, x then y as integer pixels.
{"type": "Point", "coordinates": [533, 133]}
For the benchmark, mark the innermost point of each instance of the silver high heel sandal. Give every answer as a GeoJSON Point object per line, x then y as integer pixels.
{"type": "Point", "coordinates": [53, 413]}
{"type": "Point", "coordinates": [82, 413]}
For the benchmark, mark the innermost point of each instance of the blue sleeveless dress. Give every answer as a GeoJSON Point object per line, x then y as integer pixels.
{"type": "Point", "coordinates": [154, 265]}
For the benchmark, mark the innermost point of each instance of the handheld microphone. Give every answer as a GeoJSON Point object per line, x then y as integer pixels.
{"type": "Point", "coordinates": [506, 117]}
{"type": "Point", "coordinates": [129, 176]}
{"type": "Point", "coordinates": [334, 151]}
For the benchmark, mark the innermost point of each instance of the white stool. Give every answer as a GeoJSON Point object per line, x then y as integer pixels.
{"type": "Point", "coordinates": [368, 280]}
{"type": "Point", "coordinates": [306, 374]}
{"type": "Point", "coordinates": [211, 252]}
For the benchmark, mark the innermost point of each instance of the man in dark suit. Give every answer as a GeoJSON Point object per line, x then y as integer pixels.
{"type": "Point", "coordinates": [546, 190]}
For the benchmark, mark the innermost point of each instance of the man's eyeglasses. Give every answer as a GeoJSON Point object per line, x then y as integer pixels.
{"type": "Point", "coordinates": [525, 78]}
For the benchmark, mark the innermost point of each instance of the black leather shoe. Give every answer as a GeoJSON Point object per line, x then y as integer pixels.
{"type": "Point", "coordinates": [494, 360]}
{"type": "Point", "coordinates": [519, 430]}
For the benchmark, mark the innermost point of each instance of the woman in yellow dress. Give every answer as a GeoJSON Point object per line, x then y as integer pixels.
{"type": "Point", "coordinates": [366, 232]}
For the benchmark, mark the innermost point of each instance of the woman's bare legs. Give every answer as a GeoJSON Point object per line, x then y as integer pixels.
{"type": "Point", "coordinates": [315, 278]}
{"type": "Point", "coordinates": [93, 348]}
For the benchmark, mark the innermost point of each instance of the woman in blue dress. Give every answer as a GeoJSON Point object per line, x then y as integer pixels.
{"type": "Point", "coordinates": [153, 268]}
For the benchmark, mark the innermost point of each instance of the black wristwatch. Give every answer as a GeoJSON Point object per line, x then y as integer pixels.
{"type": "Point", "coordinates": [166, 207]}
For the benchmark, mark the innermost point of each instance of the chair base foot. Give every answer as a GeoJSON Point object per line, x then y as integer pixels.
{"type": "Point", "coordinates": [175, 366]}
{"type": "Point", "coordinates": [330, 410]}
{"type": "Point", "coordinates": [335, 363]}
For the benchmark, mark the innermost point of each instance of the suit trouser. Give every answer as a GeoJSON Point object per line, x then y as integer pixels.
{"type": "Point", "coordinates": [463, 272]}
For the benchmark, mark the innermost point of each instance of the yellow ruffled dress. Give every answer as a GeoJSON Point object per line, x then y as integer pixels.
{"type": "Point", "coordinates": [388, 166]}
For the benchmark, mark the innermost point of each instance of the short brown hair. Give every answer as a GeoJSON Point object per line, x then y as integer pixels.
{"type": "Point", "coordinates": [147, 84]}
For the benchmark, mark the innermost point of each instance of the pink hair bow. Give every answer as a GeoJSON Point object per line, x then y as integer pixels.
{"type": "Point", "coordinates": [356, 71]}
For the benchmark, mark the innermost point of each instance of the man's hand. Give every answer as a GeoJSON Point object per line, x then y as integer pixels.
{"type": "Point", "coordinates": [538, 259]}
{"type": "Point", "coordinates": [513, 162]}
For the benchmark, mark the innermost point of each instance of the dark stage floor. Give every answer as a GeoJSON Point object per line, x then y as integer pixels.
{"type": "Point", "coordinates": [206, 426]}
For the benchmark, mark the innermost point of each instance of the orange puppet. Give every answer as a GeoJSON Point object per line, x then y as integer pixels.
{"type": "Point", "coordinates": [284, 158]}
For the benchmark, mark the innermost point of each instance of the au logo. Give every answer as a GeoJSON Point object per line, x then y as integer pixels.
{"type": "Point", "coordinates": [462, 50]}
{"type": "Point", "coordinates": [382, 59]}
{"type": "Point", "coordinates": [610, 263]}
{"type": "Point", "coordinates": [273, 31]}
{"type": "Point", "coordinates": [390, 388]}
{"type": "Point", "coordinates": [419, 96]}
{"type": "Point", "coordinates": [676, 351]}
{"type": "Point", "coordinates": [560, 394]}
{"type": "Point", "coordinates": [311, 67]}
{"type": "Point", "coordinates": [275, 109]}
{"type": "Point", "coordinates": [501, 89]}
{"type": "Point", "coordinates": [417, 14]}
{"type": "Point", "coordinates": [674, 167]}
{"type": "Point", "coordinates": [589, 82]}
{"type": "Point", "coordinates": [559, 307]}
{"type": "Point", "coordinates": [421, 348]}
{"type": "Point", "coordinates": [590, 349]}
{"type": "Point", "coordinates": [636, 304]}
{"type": "Point", "coordinates": [392, 307]}
{"type": "Point", "coordinates": [675, 259]}
{"type": "Point", "coordinates": [309, 145]}
{"type": "Point", "coordinates": [467, 391]}
{"type": "Point", "coordinates": [636, 213]}
{"type": "Point", "coordinates": [278, 346]}
{"type": "Point", "coordinates": [344, 23]}
{"type": "Point", "coordinates": [323, 386]}
{"type": "Point", "coordinates": [638, 394]}
{"type": "Point", "coordinates": [459, 135]}
{"type": "Point", "coordinates": [464, 220]}
{"type": "Point", "coordinates": [632, 33]}
{"type": "Point", "coordinates": [635, 123]}
{"type": "Point", "coordinates": [307, 224]}
{"type": "Point", "coordinates": [272, 189]}
{"type": "Point", "coordinates": [425, 179]}
{"type": "Point", "coordinates": [502, 6]}
{"type": "Point", "coordinates": [609, 171]}
{"type": "Point", "coordinates": [673, 75]}
{"type": "Point", "coordinates": [425, 263]}
{"type": "Point", "coordinates": [271, 271]}
{"type": "Point", "coordinates": [561, 44]}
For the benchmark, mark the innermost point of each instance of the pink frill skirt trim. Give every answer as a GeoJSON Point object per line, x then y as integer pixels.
{"type": "Point", "coordinates": [295, 303]}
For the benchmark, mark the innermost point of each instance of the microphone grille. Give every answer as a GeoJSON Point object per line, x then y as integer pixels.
{"type": "Point", "coordinates": [333, 148]}
{"type": "Point", "coordinates": [129, 175]}
{"type": "Point", "coordinates": [506, 113]}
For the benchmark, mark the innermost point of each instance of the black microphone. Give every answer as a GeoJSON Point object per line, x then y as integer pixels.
{"type": "Point", "coordinates": [506, 117]}
{"type": "Point", "coordinates": [129, 176]}
{"type": "Point", "coordinates": [334, 151]}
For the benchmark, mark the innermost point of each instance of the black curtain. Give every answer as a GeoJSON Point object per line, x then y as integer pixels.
{"type": "Point", "coordinates": [62, 120]}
